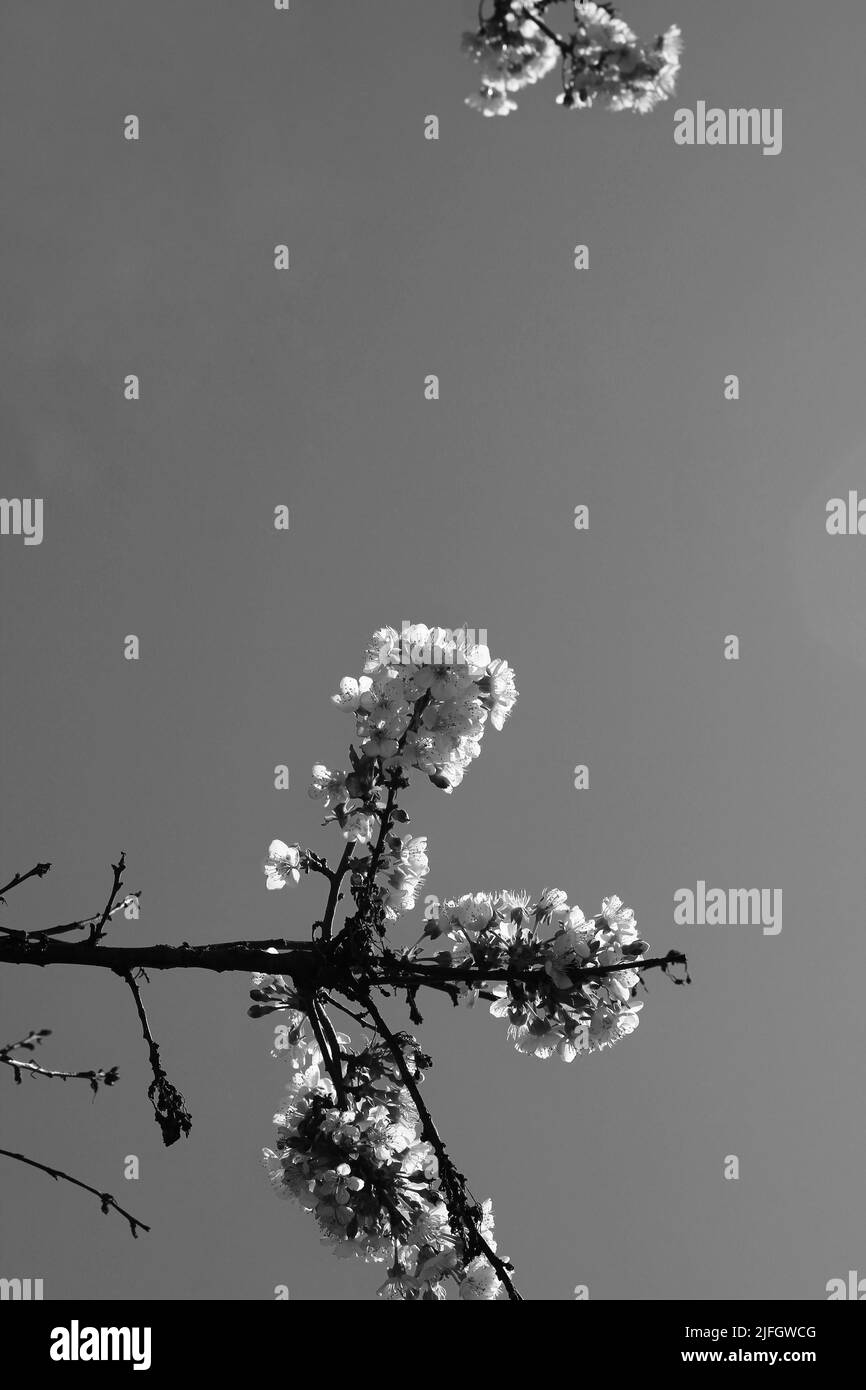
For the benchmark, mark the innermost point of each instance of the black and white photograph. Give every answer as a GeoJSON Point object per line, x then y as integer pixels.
{"type": "Point", "coordinates": [433, 650]}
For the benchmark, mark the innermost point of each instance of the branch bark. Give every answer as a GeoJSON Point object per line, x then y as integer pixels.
{"type": "Point", "coordinates": [305, 961]}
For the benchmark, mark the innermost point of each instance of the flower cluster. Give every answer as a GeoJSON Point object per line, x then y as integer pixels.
{"type": "Point", "coordinates": [550, 1007]}
{"type": "Point", "coordinates": [401, 869]}
{"type": "Point", "coordinates": [603, 61]}
{"type": "Point", "coordinates": [355, 1144]}
{"type": "Point", "coordinates": [512, 53]}
{"type": "Point", "coordinates": [424, 700]}
{"type": "Point", "coordinates": [366, 1175]}
{"type": "Point", "coordinates": [607, 63]}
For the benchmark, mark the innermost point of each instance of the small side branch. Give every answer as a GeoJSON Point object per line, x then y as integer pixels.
{"type": "Point", "coordinates": [326, 1039]}
{"type": "Point", "coordinates": [107, 1202]}
{"type": "Point", "coordinates": [334, 895]}
{"type": "Point", "coordinates": [30, 1043]}
{"type": "Point", "coordinates": [95, 923]}
{"type": "Point", "coordinates": [169, 1106]}
{"type": "Point", "coordinates": [97, 931]}
{"type": "Point", "coordinates": [531, 13]}
{"type": "Point", "coordinates": [38, 871]}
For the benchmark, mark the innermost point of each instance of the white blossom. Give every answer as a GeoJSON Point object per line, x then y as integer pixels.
{"type": "Point", "coordinates": [282, 864]}
{"type": "Point", "coordinates": [557, 1005]}
{"type": "Point", "coordinates": [602, 60]}
{"type": "Point", "coordinates": [351, 1147]}
{"type": "Point", "coordinates": [368, 1178]}
{"type": "Point", "coordinates": [481, 1280]}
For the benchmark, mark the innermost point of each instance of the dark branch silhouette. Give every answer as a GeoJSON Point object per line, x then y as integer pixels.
{"type": "Point", "coordinates": [169, 1107]}
{"type": "Point", "coordinates": [33, 1039]}
{"type": "Point", "coordinates": [108, 1202]}
{"type": "Point", "coordinates": [38, 871]}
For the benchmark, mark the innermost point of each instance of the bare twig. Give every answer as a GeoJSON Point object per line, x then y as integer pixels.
{"type": "Point", "coordinates": [87, 921]}
{"type": "Point", "coordinates": [106, 1199]}
{"type": "Point", "coordinates": [80, 925]}
{"type": "Point", "coordinates": [350, 1013]}
{"type": "Point", "coordinates": [29, 1042]}
{"type": "Point", "coordinates": [97, 931]}
{"type": "Point", "coordinates": [334, 895]}
{"type": "Point", "coordinates": [169, 1106]}
{"type": "Point", "coordinates": [545, 29]}
{"type": "Point", "coordinates": [34, 1040]}
{"type": "Point", "coordinates": [38, 871]}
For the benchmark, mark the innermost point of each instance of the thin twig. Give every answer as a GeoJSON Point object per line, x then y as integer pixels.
{"type": "Point", "coordinates": [38, 871]}
{"type": "Point", "coordinates": [35, 1039]}
{"type": "Point", "coordinates": [334, 895]}
{"type": "Point", "coordinates": [169, 1106]}
{"type": "Point", "coordinates": [108, 1202]}
{"type": "Point", "coordinates": [545, 29]}
{"type": "Point", "coordinates": [350, 1013]}
{"type": "Point", "coordinates": [108, 1078]}
{"type": "Point", "coordinates": [80, 925]}
{"type": "Point", "coordinates": [30, 1041]}
{"type": "Point", "coordinates": [88, 921]}
{"type": "Point", "coordinates": [98, 931]}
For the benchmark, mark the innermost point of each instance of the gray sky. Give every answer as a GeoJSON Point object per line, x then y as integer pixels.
{"type": "Point", "coordinates": [602, 387]}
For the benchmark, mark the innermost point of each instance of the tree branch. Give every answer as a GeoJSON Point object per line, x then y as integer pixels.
{"type": "Point", "coordinates": [169, 1106]}
{"type": "Point", "coordinates": [334, 895]}
{"type": "Point", "coordinates": [294, 958]}
{"type": "Point", "coordinates": [304, 961]}
{"type": "Point", "coordinates": [106, 1199]}
{"type": "Point", "coordinates": [329, 1048]}
{"type": "Point", "coordinates": [38, 871]}
{"type": "Point", "coordinates": [80, 924]}
{"type": "Point", "coordinates": [98, 930]}
{"type": "Point", "coordinates": [545, 29]}
{"type": "Point", "coordinates": [431, 973]}
{"type": "Point", "coordinates": [30, 1043]}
